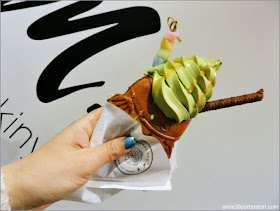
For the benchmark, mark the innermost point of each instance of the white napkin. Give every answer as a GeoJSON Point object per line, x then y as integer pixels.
{"type": "Point", "coordinates": [146, 167]}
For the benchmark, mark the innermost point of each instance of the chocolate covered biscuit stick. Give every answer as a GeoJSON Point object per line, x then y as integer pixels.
{"type": "Point", "coordinates": [233, 101]}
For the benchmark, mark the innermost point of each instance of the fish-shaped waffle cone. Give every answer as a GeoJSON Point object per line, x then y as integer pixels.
{"type": "Point", "coordinates": [138, 102]}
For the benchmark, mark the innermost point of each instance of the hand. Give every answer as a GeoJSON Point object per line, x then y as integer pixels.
{"type": "Point", "coordinates": [61, 165]}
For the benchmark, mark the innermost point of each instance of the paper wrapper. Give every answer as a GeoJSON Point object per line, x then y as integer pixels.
{"type": "Point", "coordinates": [146, 167]}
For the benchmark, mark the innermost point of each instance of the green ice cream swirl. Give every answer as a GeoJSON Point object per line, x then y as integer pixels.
{"type": "Point", "coordinates": [182, 86]}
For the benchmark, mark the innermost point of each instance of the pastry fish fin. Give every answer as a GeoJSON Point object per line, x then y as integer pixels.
{"type": "Point", "coordinates": [123, 102]}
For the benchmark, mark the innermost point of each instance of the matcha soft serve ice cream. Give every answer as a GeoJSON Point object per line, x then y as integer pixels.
{"type": "Point", "coordinates": [172, 92]}
{"type": "Point", "coordinates": [182, 87]}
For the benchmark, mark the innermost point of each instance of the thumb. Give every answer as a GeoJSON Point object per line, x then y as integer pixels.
{"type": "Point", "coordinates": [110, 151]}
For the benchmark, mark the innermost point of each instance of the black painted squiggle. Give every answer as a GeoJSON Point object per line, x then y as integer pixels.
{"type": "Point", "coordinates": [131, 23]}
{"type": "Point", "coordinates": [93, 107]}
{"type": "Point", "coordinates": [22, 5]}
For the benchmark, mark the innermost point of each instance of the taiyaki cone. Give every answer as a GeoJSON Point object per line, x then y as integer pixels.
{"type": "Point", "coordinates": [138, 102]}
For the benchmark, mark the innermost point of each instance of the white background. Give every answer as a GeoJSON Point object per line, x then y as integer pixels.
{"type": "Point", "coordinates": [229, 156]}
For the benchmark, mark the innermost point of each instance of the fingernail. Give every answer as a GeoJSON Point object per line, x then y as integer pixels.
{"type": "Point", "coordinates": [129, 142]}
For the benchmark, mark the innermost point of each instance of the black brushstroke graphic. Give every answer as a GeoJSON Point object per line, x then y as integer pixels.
{"type": "Point", "coordinates": [93, 107]}
{"type": "Point", "coordinates": [130, 23]}
{"type": "Point", "coordinates": [22, 5]}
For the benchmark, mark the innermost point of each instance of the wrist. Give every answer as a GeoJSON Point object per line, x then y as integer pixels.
{"type": "Point", "coordinates": [15, 189]}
